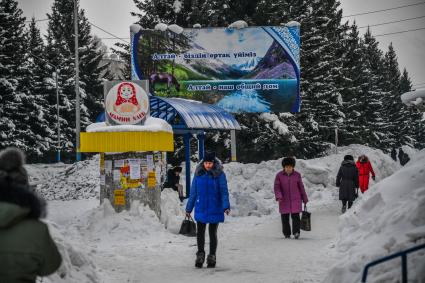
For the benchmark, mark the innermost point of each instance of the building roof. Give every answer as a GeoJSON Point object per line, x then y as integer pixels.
{"type": "Point", "coordinates": [190, 114]}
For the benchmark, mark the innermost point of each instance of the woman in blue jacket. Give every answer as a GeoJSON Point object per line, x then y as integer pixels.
{"type": "Point", "coordinates": [210, 197]}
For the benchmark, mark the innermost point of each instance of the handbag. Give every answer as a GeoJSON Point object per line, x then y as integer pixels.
{"type": "Point", "coordinates": [188, 227]}
{"type": "Point", "coordinates": [305, 220]}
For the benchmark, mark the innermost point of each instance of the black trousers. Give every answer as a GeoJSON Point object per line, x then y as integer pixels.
{"type": "Point", "coordinates": [344, 203]}
{"type": "Point", "coordinates": [286, 227]}
{"type": "Point", "coordinates": [200, 236]}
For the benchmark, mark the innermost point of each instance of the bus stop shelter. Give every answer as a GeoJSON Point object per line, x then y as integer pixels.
{"type": "Point", "coordinates": [192, 118]}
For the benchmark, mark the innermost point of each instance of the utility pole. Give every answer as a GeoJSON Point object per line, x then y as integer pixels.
{"type": "Point", "coordinates": [77, 84]}
{"type": "Point", "coordinates": [58, 155]}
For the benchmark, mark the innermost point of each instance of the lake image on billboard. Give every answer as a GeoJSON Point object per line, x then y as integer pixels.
{"type": "Point", "coordinates": [243, 70]}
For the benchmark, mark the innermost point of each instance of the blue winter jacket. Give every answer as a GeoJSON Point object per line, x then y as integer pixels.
{"type": "Point", "coordinates": [209, 194]}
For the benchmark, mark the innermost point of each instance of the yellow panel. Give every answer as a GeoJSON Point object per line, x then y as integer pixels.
{"type": "Point", "coordinates": [126, 141]}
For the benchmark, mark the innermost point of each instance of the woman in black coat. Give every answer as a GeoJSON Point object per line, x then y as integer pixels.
{"type": "Point", "coordinates": [348, 182]}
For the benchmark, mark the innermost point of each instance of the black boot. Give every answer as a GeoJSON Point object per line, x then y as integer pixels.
{"type": "Point", "coordinates": [200, 258]}
{"type": "Point", "coordinates": [343, 209]}
{"type": "Point", "coordinates": [211, 260]}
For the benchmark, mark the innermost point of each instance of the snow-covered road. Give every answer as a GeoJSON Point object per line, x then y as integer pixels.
{"type": "Point", "coordinates": [251, 249]}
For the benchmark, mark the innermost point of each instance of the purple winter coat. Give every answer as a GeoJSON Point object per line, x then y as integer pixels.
{"type": "Point", "coordinates": [289, 192]}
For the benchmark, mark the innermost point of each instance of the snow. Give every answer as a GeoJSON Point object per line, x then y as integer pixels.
{"type": "Point", "coordinates": [135, 28]}
{"type": "Point", "coordinates": [238, 25]}
{"type": "Point", "coordinates": [151, 125]}
{"type": "Point", "coordinates": [414, 98]}
{"type": "Point", "coordinates": [161, 27]}
{"type": "Point", "coordinates": [197, 26]}
{"type": "Point", "coordinates": [135, 246]}
{"type": "Point", "coordinates": [177, 6]}
{"type": "Point", "coordinates": [277, 124]}
{"type": "Point", "coordinates": [293, 24]}
{"type": "Point", "coordinates": [175, 28]}
{"type": "Point", "coordinates": [388, 219]}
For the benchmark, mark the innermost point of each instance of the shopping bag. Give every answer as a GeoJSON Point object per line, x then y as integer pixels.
{"type": "Point", "coordinates": [305, 220]}
{"type": "Point", "coordinates": [188, 227]}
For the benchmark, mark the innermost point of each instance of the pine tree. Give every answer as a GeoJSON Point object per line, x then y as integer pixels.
{"type": "Point", "coordinates": [36, 104]}
{"type": "Point", "coordinates": [12, 71]}
{"type": "Point", "coordinates": [415, 127]}
{"type": "Point", "coordinates": [395, 110]}
{"type": "Point", "coordinates": [60, 52]}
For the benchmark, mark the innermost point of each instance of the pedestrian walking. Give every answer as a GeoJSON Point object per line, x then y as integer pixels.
{"type": "Point", "coordinates": [290, 193]}
{"type": "Point", "coordinates": [210, 198]}
{"type": "Point", "coordinates": [26, 248]}
{"type": "Point", "coordinates": [173, 181]}
{"type": "Point", "coordinates": [348, 182]}
{"type": "Point", "coordinates": [365, 170]}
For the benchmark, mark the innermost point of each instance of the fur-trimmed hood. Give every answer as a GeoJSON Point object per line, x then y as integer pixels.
{"type": "Point", "coordinates": [21, 203]}
{"type": "Point", "coordinates": [215, 171]}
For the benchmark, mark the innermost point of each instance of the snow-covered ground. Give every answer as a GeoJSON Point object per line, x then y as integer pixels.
{"type": "Point", "coordinates": [134, 246]}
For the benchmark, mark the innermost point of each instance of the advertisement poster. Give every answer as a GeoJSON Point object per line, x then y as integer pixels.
{"type": "Point", "coordinates": [151, 180]}
{"type": "Point", "coordinates": [254, 69]}
{"type": "Point", "coordinates": [108, 166]}
{"type": "Point", "coordinates": [150, 164]}
{"type": "Point", "coordinates": [119, 197]}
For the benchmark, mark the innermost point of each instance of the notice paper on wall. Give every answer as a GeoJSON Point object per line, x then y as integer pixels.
{"type": "Point", "coordinates": [150, 162]}
{"type": "Point", "coordinates": [117, 175]}
{"type": "Point", "coordinates": [119, 163]}
{"type": "Point", "coordinates": [134, 172]}
{"type": "Point", "coordinates": [108, 166]}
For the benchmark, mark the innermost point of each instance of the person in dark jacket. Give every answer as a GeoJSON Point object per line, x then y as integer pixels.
{"type": "Point", "coordinates": [290, 193]}
{"type": "Point", "coordinates": [173, 181]}
{"type": "Point", "coordinates": [26, 248]}
{"type": "Point", "coordinates": [348, 182]}
{"type": "Point", "coordinates": [210, 198]}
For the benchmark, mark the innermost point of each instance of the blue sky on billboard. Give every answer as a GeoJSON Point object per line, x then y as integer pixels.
{"type": "Point", "coordinates": [246, 40]}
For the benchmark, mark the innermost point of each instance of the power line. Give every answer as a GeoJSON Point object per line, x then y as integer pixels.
{"type": "Point", "coordinates": [40, 20]}
{"type": "Point", "coordinates": [383, 10]}
{"type": "Point", "coordinates": [410, 30]}
{"type": "Point", "coordinates": [105, 31]}
{"type": "Point", "coordinates": [386, 23]}
{"type": "Point", "coordinates": [108, 38]}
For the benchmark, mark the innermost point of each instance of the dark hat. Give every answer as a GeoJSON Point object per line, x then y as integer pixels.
{"type": "Point", "coordinates": [349, 157]}
{"type": "Point", "coordinates": [209, 156]}
{"type": "Point", "coordinates": [288, 161]}
{"type": "Point", "coordinates": [12, 162]}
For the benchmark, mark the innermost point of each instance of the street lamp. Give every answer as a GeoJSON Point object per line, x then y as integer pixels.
{"type": "Point", "coordinates": [77, 85]}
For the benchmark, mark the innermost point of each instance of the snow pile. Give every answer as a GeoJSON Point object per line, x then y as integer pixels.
{"type": "Point", "coordinates": [76, 265]}
{"type": "Point", "coordinates": [414, 98]}
{"type": "Point", "coordinates": [172, 211]}
{"type": "Point", "coordinates": [197, 26]}
{"type": "Point", "coordinates": [251, 185]}
{"type": "Point", "coordinates": [66, 181]}
{"type": "Point", "coordinates": [151, 125]}
{"type": "Point", "coordinates": [238, 25]}
{"type": "Point", "coordinates": [389, 218]}
{"type": "Point", "coordinates": [107, 226]}
{"type": "Point", "coordinates": [161, 27]}
{"type": "Point", "coordinates": [135, 28]}
{"type": "Point", "coordinates": [277, 124]}
{"type": "Point", "coordinates": [293, 24]}
{"type": "Point", "coordinates": [175, 28]}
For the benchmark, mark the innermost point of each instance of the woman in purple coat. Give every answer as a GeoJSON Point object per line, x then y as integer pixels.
{"type": "Point", "coordinates": [290, 193]}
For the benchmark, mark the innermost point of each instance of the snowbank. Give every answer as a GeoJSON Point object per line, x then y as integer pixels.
{"type": "Point", "coordinates": [76, 265]}
{"type": "Point", "coordinates": [414, 98]}
{"type": "Point", "coordinates": [79, 180]}
{"type": "Point", "coordinates": [151, 125]}
{"type": "Point", "coordinates": [389, 218]}
{"type": "Point", "coordinates": [251, 185]}
{"type": "Point", "coordinates": [161, 27]}
{"type": "Point", "coordinates": [172, 211]}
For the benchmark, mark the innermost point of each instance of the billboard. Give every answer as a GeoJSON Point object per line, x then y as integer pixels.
{"type": "Point", "coordinates": [254, 69]}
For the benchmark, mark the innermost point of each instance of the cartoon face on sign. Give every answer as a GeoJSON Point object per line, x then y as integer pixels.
{"type": "Point", "coordinates": [126, 99]}
{"type": "Point", "coordinates": [127, 103]}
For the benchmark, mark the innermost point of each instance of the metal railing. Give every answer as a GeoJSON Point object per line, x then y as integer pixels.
{"type": "Point", "coordinates": [403, 255]}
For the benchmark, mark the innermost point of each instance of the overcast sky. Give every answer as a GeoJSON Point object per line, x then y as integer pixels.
{"type": "Point", "coordinates": [114, 16]}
